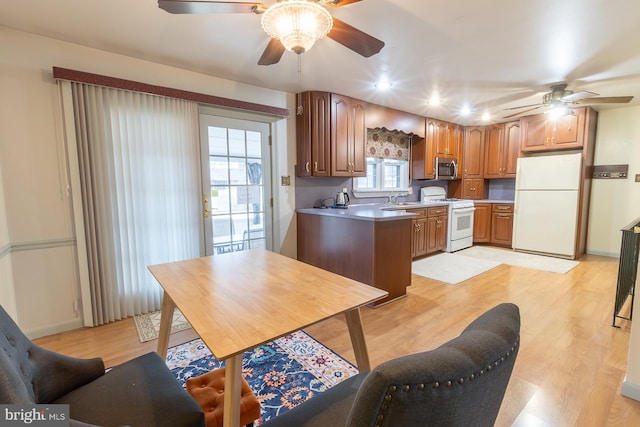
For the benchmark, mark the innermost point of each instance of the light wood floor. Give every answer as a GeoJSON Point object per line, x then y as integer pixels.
{"type": "Point", "coordinates": [571, 362]}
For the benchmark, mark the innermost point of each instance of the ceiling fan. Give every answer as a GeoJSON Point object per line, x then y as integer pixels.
{"type": "Point", "coordinates": [298, 40]}
{"type": "Point", "coordinates": [561, 97]}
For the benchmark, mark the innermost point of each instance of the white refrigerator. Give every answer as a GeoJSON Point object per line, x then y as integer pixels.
{"type": "Point", "coordinates": [546, 204]}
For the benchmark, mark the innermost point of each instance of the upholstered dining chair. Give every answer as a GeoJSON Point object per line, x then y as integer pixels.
{"type": "Point", "coordinates": [461, 383]}
{"type": "Point", "coordinates": [141, 392]}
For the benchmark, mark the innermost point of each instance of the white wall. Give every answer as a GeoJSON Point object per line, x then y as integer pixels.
{"type": "Point", "coordinates": [38, 271]}
{"type": "Point", "coordinates": [615, 202]}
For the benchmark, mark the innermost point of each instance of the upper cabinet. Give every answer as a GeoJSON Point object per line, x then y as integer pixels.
{"type": "Point", "coordinates": [348, 136]}
{"type": "Point", "coordinates": [446, 138]}
{"type": "Point", "coordinates": [313, 135]}
{"type": "Point", "coordinates": [542, 133]}
{"type": "Point", "coordinates": [502, 147]}
{"type": "Point", "coordinates": [331, 136]}
{"type": "Point", "coordinates": [442, 139]}
{"type": "Point", "coordinates": [390, 119]}
{"type": "Point", "coordinates": [473, 152]}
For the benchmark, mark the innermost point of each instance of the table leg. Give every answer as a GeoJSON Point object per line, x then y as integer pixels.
{"type": "Point", "coordinates": [354, 323]}
{"type": "Point", "coordinates": [232, 391]}
{"type": "Point", "coordinates": [166, 318]}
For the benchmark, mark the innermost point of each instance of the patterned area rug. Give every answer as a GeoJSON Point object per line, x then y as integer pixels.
{"type": "Point", "coordinates": [148, 325]}
{"type": "Point", "coordinates": [282, 373]}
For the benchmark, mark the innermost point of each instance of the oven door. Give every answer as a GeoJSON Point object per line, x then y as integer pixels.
{"type": "Point", "coordinates": [461, 223]}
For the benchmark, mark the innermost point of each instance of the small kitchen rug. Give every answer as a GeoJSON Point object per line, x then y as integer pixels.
{"type": "Point", "coordinates": [282, 373]}
{"type": "Point", "coordinates": [507, 256]}
{"type": "Point", "coordinates": [148, 325]}
{"type": "Point", "coordinates": [451, 268]}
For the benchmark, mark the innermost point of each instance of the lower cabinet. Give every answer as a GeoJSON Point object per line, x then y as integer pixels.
{"type": "Point", "coordinates": [482, 223]}
{"type": "Point", "coordinates": [373, 252]}
{"type": "Point", "coordinates": [502, 224]}
{"type": "Point", "coordinates": [437, 228]}
{"type": "Point", "coordinates": [493, 223]}
{"type": "Point", "coordinates": [429, 229]}
{"type": "Point", "coordinates": [419, 236]}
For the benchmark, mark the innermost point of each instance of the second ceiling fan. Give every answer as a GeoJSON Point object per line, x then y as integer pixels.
{"type": "Point", "coordinates": [561, 97]}
{"type": "Point", "coordinates": [293, 12]}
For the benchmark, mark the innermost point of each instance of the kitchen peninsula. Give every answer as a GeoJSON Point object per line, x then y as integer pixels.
{"type": "Point", "coordinates": [367, 243]}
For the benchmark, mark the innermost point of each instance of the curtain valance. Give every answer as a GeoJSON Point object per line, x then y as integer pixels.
{"type": "Point", "coordinates": [385, 144]}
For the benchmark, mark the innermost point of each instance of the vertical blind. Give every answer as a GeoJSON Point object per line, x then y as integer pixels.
{"type": "Point", "coordinates": [140, 179]}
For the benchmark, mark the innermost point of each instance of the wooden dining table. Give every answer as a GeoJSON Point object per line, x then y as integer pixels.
{"type": "Point", "coordinates": [240, 300]}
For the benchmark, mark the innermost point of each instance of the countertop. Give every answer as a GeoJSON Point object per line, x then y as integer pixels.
{"type": "Point", "coordinates": [372, 211]}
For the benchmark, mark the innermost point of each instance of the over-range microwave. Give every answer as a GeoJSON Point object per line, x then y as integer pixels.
{"type": "Point", "coordinates": [446, 168]}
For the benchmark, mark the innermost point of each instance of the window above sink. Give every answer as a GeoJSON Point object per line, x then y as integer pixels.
{"type": "Point", "coordinates": [387, 165]}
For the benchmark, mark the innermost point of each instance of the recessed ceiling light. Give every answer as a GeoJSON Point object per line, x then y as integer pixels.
{"type": "Point", "coordinates": [486, 116]}
{"type": "Point", "coordinates": [435, 101]}
{"type": "Point", "coordinates": [465, 110]}
{"type": "Point", "coordinates": [383, 85]}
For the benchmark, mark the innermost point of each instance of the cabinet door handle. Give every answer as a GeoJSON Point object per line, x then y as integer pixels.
{"type": "Point", "coordinates": [306, 167]}
{"type": "Point", "coordinates": [315, 166]}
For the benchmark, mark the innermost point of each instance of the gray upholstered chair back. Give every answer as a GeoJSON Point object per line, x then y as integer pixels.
{"type": "Point", "coordinates": [30, 374]}
{"type": "Point", "coordinates": [461, 383]}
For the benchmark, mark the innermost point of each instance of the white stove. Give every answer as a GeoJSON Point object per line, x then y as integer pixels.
{"type": "Point", "coordinates": [460, 233]}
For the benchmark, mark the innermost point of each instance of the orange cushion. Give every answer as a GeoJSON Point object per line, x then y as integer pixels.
{"type": "Point", "coordinates": [208, 391]}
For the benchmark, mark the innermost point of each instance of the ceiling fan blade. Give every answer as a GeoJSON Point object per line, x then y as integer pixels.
{"type": "Point", "coordinates": [521, 112]}
{"type": "Point", "coordinates": [272, 53]}
{"type": "Point", "coordinates": [579, 95]}
{"type": "Point", "coordinates": [605, 100]}
{"type": "Point", "coordinates": [354, 39]}
{"type": "Point", "coordinates": [198, 7]}
{"type": "Point", "coordinates": [337, 3]}
{"type": "Point", "coordinates": [524, 106]}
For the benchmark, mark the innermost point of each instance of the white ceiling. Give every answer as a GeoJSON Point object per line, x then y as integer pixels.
{"type": "Point", "coordinates": [488, 54]}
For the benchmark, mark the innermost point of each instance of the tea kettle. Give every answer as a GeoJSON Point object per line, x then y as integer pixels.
{"type": "Point", "coordinates": [342, 199]}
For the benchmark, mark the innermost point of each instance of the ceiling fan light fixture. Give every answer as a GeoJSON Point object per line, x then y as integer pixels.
{"type": "Point", "coordinates": [298, 24]}
{"type": "Point", "coordinates": [557, 109]}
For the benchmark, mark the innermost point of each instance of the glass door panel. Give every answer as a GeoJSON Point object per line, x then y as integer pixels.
{"type": "Point", "coordinates": [237, 153]}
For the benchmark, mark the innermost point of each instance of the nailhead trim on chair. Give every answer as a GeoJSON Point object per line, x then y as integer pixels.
{"type": "Point", "coordinates": [436, 384]}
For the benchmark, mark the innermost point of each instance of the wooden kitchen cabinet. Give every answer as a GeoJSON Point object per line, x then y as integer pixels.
{"type": "Point", "coordinates": [502, 147]}
{"type": "Point", "coordinates": [446, 138]}
{"type": "Point", "coordinates": [502, 224]}
{"type": "Point", "coordinates": [482, 222]}
{"type": "Point", "coordinates": [442, 139]}
{"type": "Point", "coordinates": [330, 136]}
{"type": "Point", "coordinates": [473, 152]}
{"type": "Point", "coordinates": [542, 133]}
{"type": "Point", "coordinates": [373, 252]}
{"type": "Point", "coordinates": [473, 188]}
{"type": "Point", "coordinates": [312, 135]}
{"type": "Point", "coordinates": [348, 136]}
{"type": "Point", "coordinates": [437, 228]}
{"type": "Point", "coordinates": [419, 230]}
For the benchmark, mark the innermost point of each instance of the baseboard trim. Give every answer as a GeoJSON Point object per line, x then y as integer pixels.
{"type": "Point", "coordinates": [630, 390]}
{"type": "Point", "coordinates": [54, 329]}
